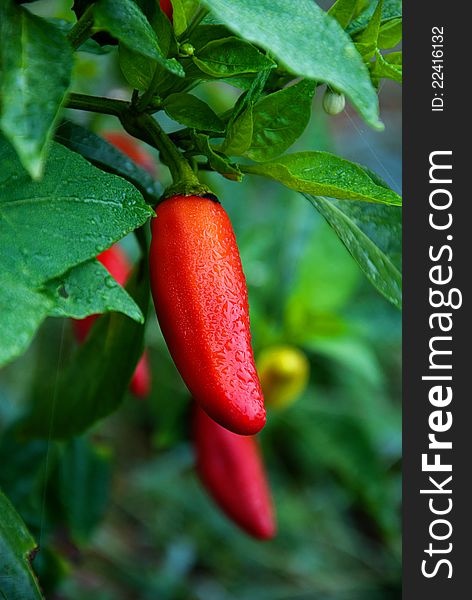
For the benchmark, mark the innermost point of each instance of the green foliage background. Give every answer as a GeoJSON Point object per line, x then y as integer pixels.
{"type": "Point", "coordinates": [119, 513]}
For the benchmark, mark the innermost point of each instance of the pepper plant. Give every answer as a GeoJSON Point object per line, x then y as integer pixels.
{"type": "Point", "coordinates": [68, 194]}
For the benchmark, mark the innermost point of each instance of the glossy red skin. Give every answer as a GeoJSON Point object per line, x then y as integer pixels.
{"type": "Point", "coordinates": [167, 9]}
{"type": "Point", "coordinates": [201, 303]}
{"type": "Point", "coordinates": [231, 468]}
{"type": "Point", "coordinates": [116, 263]}
{"type": "Point", "coordinates": [129, 146]}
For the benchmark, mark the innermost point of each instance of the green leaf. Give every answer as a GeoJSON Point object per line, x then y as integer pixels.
{"type": "Point", "coordinates": [392, 9]}
{"type": "Point", "coordinates": [394, 59]}
{"type": "Point", "coordinates": [182, 14]}
{"type": "Point", "coordinates": [366, 41]}
{"type": "Point", "coordinates": [254, 90]}
{"type": "Point", "coordinates": [106, 156]}
{"type": "Point", "coordinates": [230, 56]}
{"type": "Point", "coordinates": [321, 173]}
{"type": "Point", "coordinates": [84, 478]}
{"type": "Point", "coordinates": [183, 11]}
{"type": "Point", "coordinates": [48, 227]}
{"type": "Point", "coordinates": [93, 383]}
{"type": "Point", "coordinates": [125, 21]}
{"type": "Point", "coordinates": [280, 119]}
{"type": "Point", "coordinates": [217, 161]}
{"type": "Point", "coordinates": [138, 69]}
{"type": "Point", "coordinates": [89, 289]}
{"type": "Point", "coordinates": [164, 31]}
{"type": "Point", "coordinates": [179, 18]}
{"type": "Point", "coordinates": [372, 235]}
{"type": "Point", "coordinates": [17, 547]}
{"type": "Point", "coordinates": [343, 11]}
{"type": "Point", "coordinates": [62, 221]}
{"type": "Point", "coordinates": [239, 134]}
{"type": "Point", "coordinates": [239, 129]}
{"type": "Point", "coordinates": [388, 66]}
{"type": "Point", "coordinates": [36, 69]}
{"type": "Point", "coordinates": [307, 41]}
{"type": "Point", "coordinates": [390, 34]}
{"type": "Point", "coordinates": [22, 310]}
{"type": "Point", "coordinates": [193, 112]}
{"type": "Point", "coordinates": [241, 83]}
{"type": "Point", "coordinates": [205, 34]}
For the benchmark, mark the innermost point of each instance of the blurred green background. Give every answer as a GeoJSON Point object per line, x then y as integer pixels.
{"type": "Point", "coordinates": [119, 514]}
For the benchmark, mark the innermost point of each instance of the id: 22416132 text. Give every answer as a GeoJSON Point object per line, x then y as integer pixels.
{"type": "Point", "coordinates": [437, 71]}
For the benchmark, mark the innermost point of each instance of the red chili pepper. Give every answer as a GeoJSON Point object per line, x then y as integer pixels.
{"type": "Point", "coordinates": [231, 468]}
{"type": "Point", "coordinates": [116, 263]}
{"type": "Point", "coordinates": [200, 296]}
{"type": "Point", "coordinates": [129, 146]}
{"type": "Point", "coordinates": [167, 9]}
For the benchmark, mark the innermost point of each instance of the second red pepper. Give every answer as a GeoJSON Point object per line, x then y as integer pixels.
{"type": "Point", "coordinates": [231, 468]}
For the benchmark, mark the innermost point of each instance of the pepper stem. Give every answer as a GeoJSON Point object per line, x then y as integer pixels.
{"type": "Point", "coordinates": [185, 181]}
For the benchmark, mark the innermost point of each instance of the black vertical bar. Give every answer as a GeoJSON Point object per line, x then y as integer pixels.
{"type": "Point", "coordinates": [427, 131]}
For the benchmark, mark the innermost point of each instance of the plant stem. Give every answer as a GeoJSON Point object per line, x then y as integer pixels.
{"type": "Point", "coordinates": [197, 19]}
{"type": "Point", "coordinates": [179, 167]}
{"type": "Point", "coordinates": [106, 106]}
{"type": "Point", "coordinates": [144, 127]}
{"type": "Point", "coordinates": [185, 180]}
{"type": "Point", "coordinates": [82, 29]}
